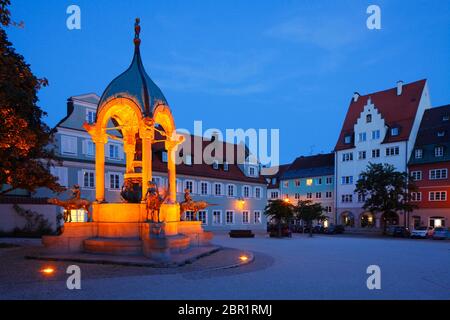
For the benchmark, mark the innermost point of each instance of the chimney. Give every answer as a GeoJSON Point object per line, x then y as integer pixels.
{"type": "Point", "coordinates": [399, 87]}
{"type": "Point", "coordinates": [356, 95]}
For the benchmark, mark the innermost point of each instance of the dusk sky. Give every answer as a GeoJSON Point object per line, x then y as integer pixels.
{"type": "Point", "coordinates": [290, 65]}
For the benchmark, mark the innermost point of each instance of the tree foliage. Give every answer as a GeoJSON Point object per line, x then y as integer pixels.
{"type": "Point", "coordinates": [280, 211]}
{"type": "Point", "coordinates": [385, 189]}
{"type": "Point", "coordinates": [309, 211]}
{"type": "Point", "coordinates": [24, 137]}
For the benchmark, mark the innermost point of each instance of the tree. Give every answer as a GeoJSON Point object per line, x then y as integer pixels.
{"type": "Point", "coordinates": [280, 211]}
{"type": "Point", "coordinates": [308, 211]}
{"type": "Point", "coordinates": [385, 190]}
{"type": "Point", "coordinates": [24, 138]}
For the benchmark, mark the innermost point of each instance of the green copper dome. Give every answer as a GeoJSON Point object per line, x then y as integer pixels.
{"type": "Point", "coordinates": [135, 83]}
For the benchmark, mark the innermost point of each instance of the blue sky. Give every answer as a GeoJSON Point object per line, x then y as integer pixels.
{"type": "Point", "coordinates": [291, 65]}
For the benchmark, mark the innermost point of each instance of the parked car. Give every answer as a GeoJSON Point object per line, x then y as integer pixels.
{"type": "Point", "coordinates": [419, 233]}
{"type": "Point", "coordinates": [441, 233]}
{"type": "Point", "coordinates": [401, 232]}
{"type": "Point", "coordinates": [318, 229]}
{"type": "Point", "coordinates": [285, 231]}
{"type": "Point", "coordinates": [389, 231]}
{"type": "Point", "coordinates": [334, 229]}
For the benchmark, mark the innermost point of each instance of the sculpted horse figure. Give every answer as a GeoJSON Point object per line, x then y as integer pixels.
{"type": "Point", "coordinates": [154, 201]}
{"type": "Point", "coordinates": [72, 204]}
{"type": "Point", "coordinates": [190, 205]}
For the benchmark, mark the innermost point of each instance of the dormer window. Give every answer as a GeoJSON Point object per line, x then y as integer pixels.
{"type": "Point", "coordinates": [441, 133]}
{"type": "Point", "coordinates": [225, 166]}
{"type": "Point", "coordinates": [369, 118]}
{"type": "Point", "coordinates": [348, 139]}
{"type": "Point", "coordinates": [445, 118]}
{"type": "Point", "coordinates": [418, 153]}
{"type": "Point", "coordinates": [90, 116]}
{"type": "Point", "coordinates": [216, 165]}
{"type": "Point", "coordinates": [439, 151]}
{"type": "Point", "coordinates": [188, 160]}
{"type": "Point", "coordinates": [164, 156]}
{"type": "Point", "coordinates": [251, 171]}
{"type": "Point", "coordinates": [274, 180]}
{"type": "Point", "coordinates": [394, 131]}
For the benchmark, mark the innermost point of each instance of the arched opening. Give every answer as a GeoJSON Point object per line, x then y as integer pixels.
{"type": "Point", "coordinates": [390, 219]}
{"type": "Point", "coordinates": [347, 219]}
{"type": "Point", "coordinates": [367, 220]}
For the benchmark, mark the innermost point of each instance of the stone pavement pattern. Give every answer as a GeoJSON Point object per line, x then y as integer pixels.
{"type": "Point", "coordinates": [324, 267]}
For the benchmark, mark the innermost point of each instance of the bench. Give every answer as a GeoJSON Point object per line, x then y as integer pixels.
{"type": "Point", "coordinates": [241, 234]}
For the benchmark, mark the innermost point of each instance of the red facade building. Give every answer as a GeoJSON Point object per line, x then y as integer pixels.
{"type": "Point", "coordinates": [430, 165]}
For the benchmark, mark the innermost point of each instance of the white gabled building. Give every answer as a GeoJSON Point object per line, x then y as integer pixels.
{"type": "Point", "coordinates": [380, 127]}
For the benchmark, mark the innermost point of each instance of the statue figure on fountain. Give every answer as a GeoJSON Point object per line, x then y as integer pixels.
{"type": "Point", "coordinates": [190, 205]}
{"type": "Point", "coordinates": [153, 202]}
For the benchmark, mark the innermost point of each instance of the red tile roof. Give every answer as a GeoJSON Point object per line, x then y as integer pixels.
{"type": "Point", "coordinates": [206, 170]}
{"type": "Point", "coordinates": [396, 110]}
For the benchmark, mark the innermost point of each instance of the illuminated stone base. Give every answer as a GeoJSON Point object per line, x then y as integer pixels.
{"type": "Point", "coordinates": [122, 229]}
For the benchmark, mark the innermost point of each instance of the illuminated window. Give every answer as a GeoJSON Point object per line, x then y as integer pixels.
{"type": "Point", "coordinates": [78, 215]}
{"type": "Point", "coordinates": [309, 182]}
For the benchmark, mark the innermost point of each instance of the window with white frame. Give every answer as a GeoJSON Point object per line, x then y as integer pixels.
{"type": "Point", "coordinates": [246, 217]}
{"type": "Point", "coordinates": [252, 171]}
{"type": "Point", "coordinates": [375, 153]}
{"type": "Point", "coordinates": [274, 195]}
{"type": "Point", "coordinates": [368, 118]}
{"type": "Point", "coordinates": [437, 196]}
{"type": "Point", "coordinates": [329, 180]}
{"type": "Point", "coordinates": [417, 175]}
{"type": "Point", "coordinates": [361, 155]}
{"type": "Point", "coordinates": [231, 190]}
{"type": "Point", "coordinates": [246, 191]}
{"type": "Point", "coordinates": [375, 134]}
{"type": "Point", "coordinates": [68, 144]}
{"type": "Point", "coordinates": [318, 195]}
{"type": "Point", "coordinates": [217, 189]}
{"type": "Point", "coordinates": [328, 209]}
{"type": "Point", "coordinates": [88, 179]}
{"type": "Point", "coordinates": [362, 137]}
{"type": "Point", "coordinates": [438, 174]}
{"type": "Point", "coordinates": [418, 153]}
{"type": "Point", "coordinates": [203, 188]}
{"type": "Point", "coordinates": [416, 196]}
{"type": "Point", "coordinates": [257, 217]}
{"type": "Point", "coordinates": [347, 198]}
{"type": "Point", "coordinates": [229, 217]}
{"type": "Point", "coordinates": [114, 181]}
{"type": "Point", "coordinates": [286, 184]}
{"type": "Point", "coordinates": [348, 156]}
{"type": "Point", "coordinates": [114, 151]}
{"type": "Point", "coordinates": [189, 184]}
{"type": "Point", "coordinates": [296, 196]}
{"type": "Point", "coordinates": [309, 195]}
{"type": "Point", "coordinates": [361, 197]}
{"type": "Point", "coordinates": [297, 183]}
{"type": "Point", "coordinates": [258, 193]}
{"type": "Point", "coordinates": [225, 166]}
{"type": "Point", "coordinates": [392, 151]}
{"type": "Point", "coordinates": [439, 151]}
{"type": "Point", "coordinates": [347, 180]}
{"type": "Point", "coordinates": [90, 116]}
{"type": "Point", "coordinates": [203, 217]}
{"type": "Point", "coordinates": [189, 215]}
{"type": "Point", "coordinates": [217, 217]}
{"type": "Point", "coordinates": [328, 194]}
{"type": "Point", "coordinates": [318, 181]}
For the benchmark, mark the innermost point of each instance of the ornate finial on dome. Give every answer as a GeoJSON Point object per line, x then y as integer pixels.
{"type": "Point", "coordinates": [137, 31]}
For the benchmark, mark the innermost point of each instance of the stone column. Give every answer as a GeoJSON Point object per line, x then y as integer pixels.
{"type": "Point", "coordinates": [129, 147]}
{"type": "Point", "coordinates": [100, 142]}
{"type": "Point", "coordinates": [171, 148]}
{"type": "Point", "coordinates": [147, 136]}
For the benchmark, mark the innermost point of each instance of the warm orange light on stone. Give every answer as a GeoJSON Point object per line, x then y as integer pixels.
{"type": "Point", "coordinates": [48, 270]}
{"type": "Point", "coordinates": [243, 258]}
